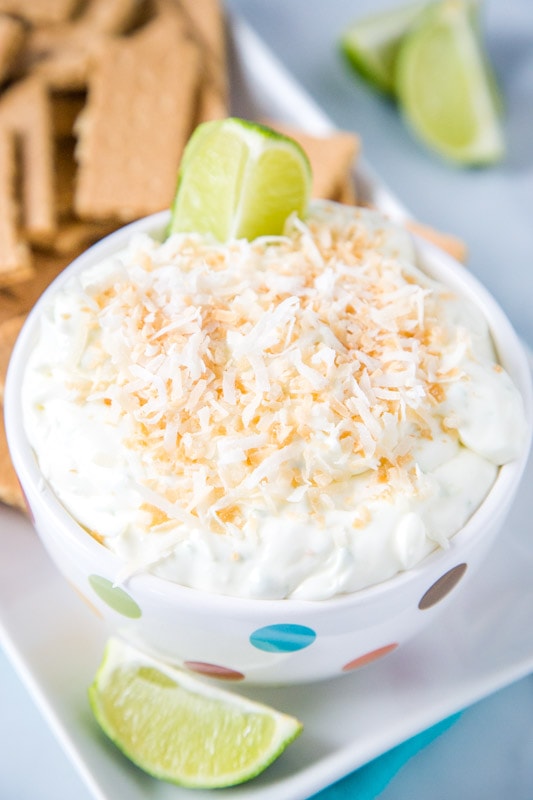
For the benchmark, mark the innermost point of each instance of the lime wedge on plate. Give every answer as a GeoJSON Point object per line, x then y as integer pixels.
{"type": "Point", "coordinates": [371, 44]}
{"type": "Point", "coordinates": [445, 87]}
{"type": "Point", "coordinates": [180, 729]}
{"type": "Point", "coordinates": [239, 179]}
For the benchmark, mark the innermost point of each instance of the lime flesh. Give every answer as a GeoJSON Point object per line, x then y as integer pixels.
{"type": "Point", "coordinates": [445, 88]}
{"type": "Point", "coordinates": [180, 729]}
{"type": "Point", "coordinates": [239, 179]}
{"type": "Point", "coordinates": [371, 44]}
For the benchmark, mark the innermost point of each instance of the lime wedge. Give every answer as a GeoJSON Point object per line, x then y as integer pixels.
{"type": "Point", "coordinates": [371, 44]}
{"type": "Point", "coordinates": [445, 87]}
{"type": "Point", "coordinates": [179, 729]}
{"type": "Point", "coordinates": [239, 179]}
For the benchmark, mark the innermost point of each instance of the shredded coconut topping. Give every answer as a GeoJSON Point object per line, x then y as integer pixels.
{"type": "Point", "coordinates": [273, 367]}
{"type": "Point", "coordinates": [284, 417]}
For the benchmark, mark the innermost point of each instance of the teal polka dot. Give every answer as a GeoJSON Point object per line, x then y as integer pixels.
{"type": "Point", "coordinates": [282, 638]}
{"type": "Point", "coordinates": [115, 597]}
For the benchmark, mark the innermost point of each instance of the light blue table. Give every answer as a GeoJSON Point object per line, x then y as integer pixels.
{"type": "Point", "coordinates": [488, 753]}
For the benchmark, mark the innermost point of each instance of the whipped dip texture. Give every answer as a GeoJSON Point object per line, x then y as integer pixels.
{"type": "Point", "coordinates": [297, 416]}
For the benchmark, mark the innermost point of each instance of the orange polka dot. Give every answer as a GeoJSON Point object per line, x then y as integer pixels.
{"type": "Point", "coordinates": [369, 657]}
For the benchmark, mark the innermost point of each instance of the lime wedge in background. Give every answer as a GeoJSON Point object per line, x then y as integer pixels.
{"type": "Point", "coordinates": [239, 179]}
{"type": "Point", "coordinates": [445, 87]}
{"type": "Point", "coordinates": [182, 730]}
{"type": "Point", "coordinates": [371, 44]}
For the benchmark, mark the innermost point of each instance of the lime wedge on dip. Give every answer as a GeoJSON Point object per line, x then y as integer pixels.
{"type": "Point", "coordinates": [239, 179]}
{"type": "Point", "coordinates": [445, 87]}
{"type": "Point", "coordinates": [180, 729]}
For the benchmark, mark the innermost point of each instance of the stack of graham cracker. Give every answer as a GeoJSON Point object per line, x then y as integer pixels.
{"type": "Point", "coordinates": [97, 101]}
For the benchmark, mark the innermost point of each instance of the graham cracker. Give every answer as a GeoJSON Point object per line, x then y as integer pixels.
{"type": "Point", "coordinates": [205, 21]}
{"type": "Point", "coordinates": [61, 54]}
{"type": "Point", "coordinates": [452, 245]}
{"type": "Point", "coordinates": [114, 17]}
{"type": "Point", "coordinates": [131, 136]}
{"type": "Point", "coordinates": [212, 103]}
{"type": "Point", "coordinates": [65, 106]}
{"type": "Point", "coordinates": [346, 192]}
{"type": "Point", "coordinates": [22, 296]}
{"type": "Point", "coordinates": [12, 38]}
{"type": "Point", "coordinates": [332, 158]}
{"type": "Point", "coordinates": [25, 111]}
{"type": "Point", "coordinates": [15, 256]}
{"type": "Point", "coordinates": [40, 12]}
{"type": "Point", "coordinates": [74, 235]}
{"type": "Point", "coordinates": [9, 330]}
{"type": "Point", "coordinates": [66, 70]}
{"type": "Point", "coordinates": [65, 166]}
{"type": "Point", "coordinates": [10, 489]}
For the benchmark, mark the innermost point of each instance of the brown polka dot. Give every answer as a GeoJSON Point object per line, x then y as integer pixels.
{"type": "Point", "coordinates": [440, 588]}
{"type": "Point", "coordinates": [214, 671]}
{"type": "Point", "coordinates": [369, 657]}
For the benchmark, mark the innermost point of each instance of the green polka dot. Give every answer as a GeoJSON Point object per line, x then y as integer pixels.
{"type": "Point", "coordinates": [115, 597]}
{"type": "Point", "coordinates": [282, 638]}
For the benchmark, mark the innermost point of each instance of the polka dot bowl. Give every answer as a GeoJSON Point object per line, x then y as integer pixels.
{"type": "Point", "coordinates": [262, 641]}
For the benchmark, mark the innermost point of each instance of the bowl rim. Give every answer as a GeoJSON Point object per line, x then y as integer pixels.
{"type": "Point", "coordinates": [432, 261]}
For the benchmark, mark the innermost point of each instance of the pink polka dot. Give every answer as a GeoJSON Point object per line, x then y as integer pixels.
{"type": "Point", "coordinates": [214, 671]}
{"type": "Point", "coordinates": [369, 657]}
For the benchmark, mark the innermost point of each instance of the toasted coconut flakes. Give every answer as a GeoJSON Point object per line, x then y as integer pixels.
{"type": "Point", "coordinates": [250, 407]}
{"type": "Point", "coordinates": [270, 465]}
{"type": "Point", "coordinates": [267, 369]}
{"type": "Point", "coordinates": [262, 383]}
{"type": "Point", "coordinates": [314, 377]}
{"type": "Point", "coordinates": [228, 386]}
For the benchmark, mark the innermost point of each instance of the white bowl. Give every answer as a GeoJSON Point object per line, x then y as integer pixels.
{"type": "Point", "coordinates": [265, 641]}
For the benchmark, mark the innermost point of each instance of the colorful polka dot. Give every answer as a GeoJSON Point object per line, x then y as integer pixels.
{"type": "Point", "coordinates": [367, 658]}
{"type": "Point", "coordinates": [115, 597]}
{"type": "Point", "coordinates": [442, 587]}
{"type": "Point", "coordinates": [282, 638]}
{"type": "Point", "coordinates": [214, 671]}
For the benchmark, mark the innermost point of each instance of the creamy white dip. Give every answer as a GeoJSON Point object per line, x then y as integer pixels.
{"type": "Point", "coordinates": [299, 416]}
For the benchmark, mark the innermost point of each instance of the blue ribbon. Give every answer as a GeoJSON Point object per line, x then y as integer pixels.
{"type": "Point", "coordinates": [367, 782]}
